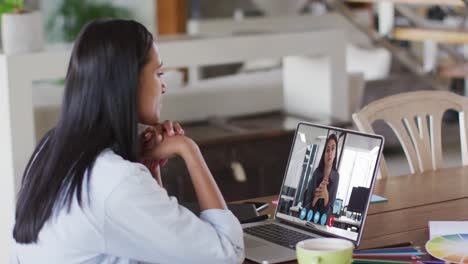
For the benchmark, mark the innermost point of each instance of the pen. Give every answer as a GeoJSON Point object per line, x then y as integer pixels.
{"type": "Point", "coordinates": [388, 250]}
{"type": "Point", "coordinates": [380, 261]}
{"type": "Point", "coordinates": [256, 219]}
{"type": "Point", "coordinates": [404, 244]}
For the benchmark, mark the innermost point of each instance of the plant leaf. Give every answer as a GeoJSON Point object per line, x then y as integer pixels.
{"type": "Point", "coordinates": [14, 3]}
{"type": "Point", "coordinates": [74, 14]}
{"type": "Point", "coordinates": [6, 8]}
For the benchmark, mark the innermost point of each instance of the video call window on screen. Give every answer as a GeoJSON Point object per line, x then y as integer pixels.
{"type": "Point", "coordinates": [328, 180]}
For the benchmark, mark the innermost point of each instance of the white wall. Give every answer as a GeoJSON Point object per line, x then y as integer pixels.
{"type": "Point", "coordinates": [7, 185]}
{"type": "Point", "coordinates": [143, 10]}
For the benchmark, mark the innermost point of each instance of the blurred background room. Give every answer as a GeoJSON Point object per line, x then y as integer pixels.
{"type": "Point", "coordinates": [241, 74]}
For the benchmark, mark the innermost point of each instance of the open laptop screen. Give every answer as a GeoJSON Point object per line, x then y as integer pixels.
{"type": "Point", "coordinates": [329, 180]}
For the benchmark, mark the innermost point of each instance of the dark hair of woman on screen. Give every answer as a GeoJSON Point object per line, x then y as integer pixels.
{"type": "Point", "coordinates": [92, 191]}
{"type": "Point", "coordinates": [321, 190]}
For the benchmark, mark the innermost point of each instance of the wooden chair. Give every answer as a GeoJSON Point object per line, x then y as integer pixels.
{"type": "Point", "coordinates": [416, 119]}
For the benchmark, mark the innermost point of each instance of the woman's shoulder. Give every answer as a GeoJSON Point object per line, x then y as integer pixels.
{"type": "Point", "coordinates": [108, 161]}
{"type": "Point", "coordinates": [110, 170]}
{"type": "Point", "coordinates": [317, 172]}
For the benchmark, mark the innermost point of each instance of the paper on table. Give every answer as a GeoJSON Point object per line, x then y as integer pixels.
{"type": "Point", "coordinates": [377, 199]}
{"type": "Point", "coordinates": [441, 228]}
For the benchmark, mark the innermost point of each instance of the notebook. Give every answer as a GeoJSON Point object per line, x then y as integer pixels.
{"type": "Point", "coordinates": [441, 228]}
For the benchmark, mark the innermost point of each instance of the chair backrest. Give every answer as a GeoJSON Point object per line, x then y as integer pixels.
{"type": "Point", "coordinates": [416, 120]}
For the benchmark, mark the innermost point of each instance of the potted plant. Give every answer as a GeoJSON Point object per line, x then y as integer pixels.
{"type": "Point", "coordinates": [21, 30]}
{"type": "Point", "coordinates": [70, 16]}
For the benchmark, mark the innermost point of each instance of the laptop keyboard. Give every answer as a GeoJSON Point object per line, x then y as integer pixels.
{"type": "Point", "coordinates": [277, 234]}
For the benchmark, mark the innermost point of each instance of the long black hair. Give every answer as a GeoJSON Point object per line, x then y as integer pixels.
{"type": "Point", "coordinates": [99, 111]}
{"type": "Point", "coordinates": [321, 165]}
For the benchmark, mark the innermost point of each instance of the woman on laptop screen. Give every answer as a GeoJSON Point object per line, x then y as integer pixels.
{"type": "Point", "coordinates": [321, 190]}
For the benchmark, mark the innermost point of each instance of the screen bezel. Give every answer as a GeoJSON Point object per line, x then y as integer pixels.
{"type": "Point", "coordinates": [374, 176]}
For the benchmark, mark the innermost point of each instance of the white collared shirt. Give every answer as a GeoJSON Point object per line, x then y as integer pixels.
{"type": "Point", "coordinates": [129, 218]}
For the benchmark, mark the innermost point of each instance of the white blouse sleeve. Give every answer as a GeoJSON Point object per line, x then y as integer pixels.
{"type": "Point", "coordinates": [143, 223]}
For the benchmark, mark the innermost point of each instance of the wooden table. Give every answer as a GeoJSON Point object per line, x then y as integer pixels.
{"type": "Point", "coordinates": [413, 201]}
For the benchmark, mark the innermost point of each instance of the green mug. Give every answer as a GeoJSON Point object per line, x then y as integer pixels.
{"type": "Point", "coordinates": [324, 251]}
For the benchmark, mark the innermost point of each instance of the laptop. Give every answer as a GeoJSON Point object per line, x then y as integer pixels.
{"type": "Point", "coordinates": [337, 159]}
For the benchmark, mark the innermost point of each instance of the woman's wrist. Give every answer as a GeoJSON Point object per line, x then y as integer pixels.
{"type": "Point", "coordinates": [208, 193]}
{"type": "Point", "coordinates": [188, 148]}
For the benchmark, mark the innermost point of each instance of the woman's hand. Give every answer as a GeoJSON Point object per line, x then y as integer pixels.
{"type": "Point", "coordinates": [322, 192]}
{"type": "Point", "coordinates": [151, 138]}
{"type": "Point", "coordinates": [208, 194]}
{"type": "Point", "coordinates": [178, 145]}
{"type": "Point", "coordinates": [154, 135]}
{"type": "Point", "coordinates": [319, 191]}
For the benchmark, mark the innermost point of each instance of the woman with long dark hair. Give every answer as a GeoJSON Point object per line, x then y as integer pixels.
{"type": "Point", "coordinates": [321, 190]}
{"type": "Point", "coordinates": [86, 197]}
